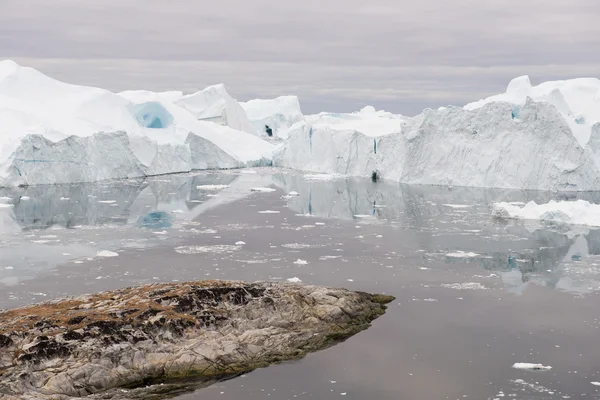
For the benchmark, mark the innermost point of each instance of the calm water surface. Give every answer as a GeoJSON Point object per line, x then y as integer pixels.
{"type": "Point", "coordinates": [474, 295]}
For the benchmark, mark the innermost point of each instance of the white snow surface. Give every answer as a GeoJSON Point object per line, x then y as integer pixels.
{"type": "Point", "coordinates": [367, 121]}
{"type": "Point", "coordinates": [282, 114]}
{"type": "Point", "coordinates": [578, 212]}
{"type": "Point", "coordinates": [54, 132]}
{"type": "Point", "coordinates": [216, 105]}
{"type": "Point", "coordinates": [534, 144]}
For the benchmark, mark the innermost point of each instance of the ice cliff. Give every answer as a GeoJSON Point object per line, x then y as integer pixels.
{"type": "Point", "coordinates": [544, 137]}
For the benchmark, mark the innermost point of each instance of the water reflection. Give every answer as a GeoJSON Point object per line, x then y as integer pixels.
{"type": "Point", "coordinates": [34, 232]}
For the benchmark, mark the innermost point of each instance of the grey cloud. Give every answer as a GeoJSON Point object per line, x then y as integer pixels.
{"type": "Point", "coordinates": [340, 53]}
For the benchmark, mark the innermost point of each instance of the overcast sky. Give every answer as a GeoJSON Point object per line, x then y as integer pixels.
{"type": "Point", "coordinates": [337, 55]}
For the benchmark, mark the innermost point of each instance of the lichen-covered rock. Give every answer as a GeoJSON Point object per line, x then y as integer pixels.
{"type": "Point", "coordinates": [117, 343]}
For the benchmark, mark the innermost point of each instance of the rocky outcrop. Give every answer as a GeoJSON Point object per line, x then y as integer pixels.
{"type": "Point", "coordinates": [184, 335]}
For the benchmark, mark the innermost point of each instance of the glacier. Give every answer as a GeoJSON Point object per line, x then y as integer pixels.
{"type": "Point", "coordinates": [544, 137]}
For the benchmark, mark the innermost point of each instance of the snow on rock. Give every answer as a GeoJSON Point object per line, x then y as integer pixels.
{"type": "Point", "coordinates": [53, 132]}
{"type": "Point", "coordinates": [482, 147]}
{"type": "Point", "coordinates": [216, 105]}
{"type": "Point", "coordinates": [282, 115]}
{"type": "Point", "coordinates": [578, 212]}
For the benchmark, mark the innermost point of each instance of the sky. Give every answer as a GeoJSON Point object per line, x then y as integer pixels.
{"type": "Point", "coordinates": [336, 55]}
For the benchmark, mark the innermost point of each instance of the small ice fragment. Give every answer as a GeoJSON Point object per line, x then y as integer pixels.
{"type": "Point", "coordinates": [240, 243]}
{"type": "Point", "coordinates": [462, 254]}
{"type": "Point", "coordinates": [177, 211]}
{"type": "Point", "coordinates": [320, 223]}
{"type": "Point", "coordinates": [65, 198]}
{"type": "Point", "coordinates": [160, 233]}
{"type": "Point", "coordinates": [25, 198]}
{"type": "Point", "coordinates": [211, 187]}
{"type": "Point", "coordinates": [350, 280]}
{"type": "Point", "coordinates": [107, 253]}
{"type": "Point", "coordinates": [107, 201]}
{"type": "Point", "coordinates": [531, 367]}
{"type": "Point", "coordinates": [464, 286]}
{"type": "Point", "coordinates": [269, 212]}
{"type": "Point", "coordinates": [292, 193]}
{"type": "Point", "coordinates": [9, 267]}
{"type": "Point", "coordinates": [595, 383]}
{"type": "Point", "coordinates": [300, 262]}
{"type": "Point", "coordinates": [262, 189]}
{"type": "Point", "coordinates": [457, 205]}
{"type": "Point", "coordinates": [294, 280]}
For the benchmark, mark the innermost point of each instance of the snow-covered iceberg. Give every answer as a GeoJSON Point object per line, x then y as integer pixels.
{"type": "Point", "coordinates": [214, 104]}
{"type": "Point", "coordinates": [512, 141]}
{"type": "Point", "coordinates": [579, 212]}
{"type": "Point", "coordinates": [282, 115]}
{"type": "Point", "coordinates": [53, 132]}
{"type": "Point", "coordinates": [367, 121]}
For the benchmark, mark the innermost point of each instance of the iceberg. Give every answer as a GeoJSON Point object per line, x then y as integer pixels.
{"type": "Point", "coordinates": [53, 132]}
{"type": "Point", "coordinates": [579, 212]}
{"type": "Point", "coordinates": [282, 115]}
{"type": "Point", "coordinates": [550, 141]}
{"type": "Point", "coordinates": [216, 105]}
{"type": "Point", "coordinates": [544, 137]}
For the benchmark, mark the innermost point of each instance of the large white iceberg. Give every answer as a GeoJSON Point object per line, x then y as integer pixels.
{"type": "Point", "coordinates": [53, 132]}
{"type": "Point", "coordinates": [515, 143]}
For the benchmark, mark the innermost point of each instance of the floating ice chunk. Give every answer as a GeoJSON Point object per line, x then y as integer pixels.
{"type": "Point", "coordinates": [578, 212]}
{"type": "Point", "coordinates": [595, 383]}
{"type": "Point", "coordinates": [107, 201]}
{"type": "Point", "coordinates": [300, 262]}
{"type": "Point", "coordinates": [262, 189]}
{"type": "Point", "coordinates": [457, 205]}
{"type": "Point", "coordinates": [292, 193]}
{"type": "Point", "coordinates": [269, 212]}
{"type": "Point", "coordinates": [223, 248]}
{"type": "Point", "coordinates": [107, 253]}
{"type": "Point", "coordinates": [65, 198]}
{"type": "Point", "coordinates": [211, 187]}
{"type": "Point", "coordinates": [531, 367]}
{"type": "Point", "coordinates": [464, 286]}
{"type": "Point", "coordinates": [294, 280]}
{"type": "Point", "coordinates": [462, 254]}
{"type": "Point", "coordinates": [25, 198]}
{"type": "Point", "coordinates": [240, 243]}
